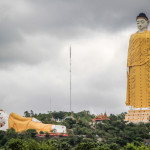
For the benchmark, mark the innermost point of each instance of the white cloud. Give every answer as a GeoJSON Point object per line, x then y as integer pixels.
{"type": "Point", "coordinates": [34, 56]}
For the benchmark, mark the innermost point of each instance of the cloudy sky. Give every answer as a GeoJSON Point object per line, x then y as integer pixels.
{"type": "Point", "coordinates": [35, 37]}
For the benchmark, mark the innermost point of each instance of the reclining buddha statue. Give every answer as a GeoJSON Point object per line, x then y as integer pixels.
{"type": "Point", "coordinates": [20, 123]}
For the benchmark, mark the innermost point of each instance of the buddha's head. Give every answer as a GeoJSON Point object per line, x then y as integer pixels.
{"type": "Point", "coordinates": [142, 22]}
{"type": "Point", "coordinates": [3, 115]}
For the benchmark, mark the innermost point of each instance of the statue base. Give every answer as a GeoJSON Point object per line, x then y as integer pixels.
{"type": "Point", "coordinates": [137, 116]}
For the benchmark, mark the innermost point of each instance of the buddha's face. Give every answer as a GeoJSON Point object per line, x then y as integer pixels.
{"type": "Point", "coordinates": [1, 117]}
{"type": "Point", "coordinates": [142, 24]}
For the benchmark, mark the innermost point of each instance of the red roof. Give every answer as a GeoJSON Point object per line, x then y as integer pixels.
{"type": "Point", "coordinates": [101, 117]}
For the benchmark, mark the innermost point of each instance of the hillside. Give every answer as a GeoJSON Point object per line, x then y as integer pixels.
{"type": "Point", "coordinates": [113, 134]}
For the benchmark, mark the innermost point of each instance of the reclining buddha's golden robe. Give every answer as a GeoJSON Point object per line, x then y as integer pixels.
{"type": "Point", "coordinates": [138, 79]}
{"type": "Point", "coordinates": [20, 124]}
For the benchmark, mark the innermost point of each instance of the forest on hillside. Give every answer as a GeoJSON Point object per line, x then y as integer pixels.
{"type": "Point", "coordinates": [113, 134]}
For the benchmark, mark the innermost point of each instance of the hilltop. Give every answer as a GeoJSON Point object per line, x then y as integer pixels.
{"type": "Point", "coordinates": [112, 134]}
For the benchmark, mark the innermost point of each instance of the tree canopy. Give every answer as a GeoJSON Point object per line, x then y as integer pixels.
{"type": "Point", "coordinates": [113, 134]}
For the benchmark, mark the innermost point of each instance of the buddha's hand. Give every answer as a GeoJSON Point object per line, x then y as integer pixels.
{"type": "Point", "coordinates": [128, 70]}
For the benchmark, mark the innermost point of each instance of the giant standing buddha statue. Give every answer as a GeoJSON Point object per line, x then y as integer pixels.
{"type": "Point", "coordinates": [138, 73]}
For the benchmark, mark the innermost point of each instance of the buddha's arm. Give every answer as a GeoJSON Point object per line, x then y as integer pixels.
{"type": "Point", "coordinates": [128, 60]}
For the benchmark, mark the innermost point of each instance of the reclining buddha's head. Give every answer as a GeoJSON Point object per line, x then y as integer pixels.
{"type": "Point", "coordinates": [3, 116]}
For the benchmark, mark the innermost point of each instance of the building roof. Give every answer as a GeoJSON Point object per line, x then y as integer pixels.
{"type": "Point", "coordinates": [101, 117]}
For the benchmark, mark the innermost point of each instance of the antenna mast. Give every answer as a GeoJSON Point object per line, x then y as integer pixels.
{"type": "Point", "coordinates": [50, 104]}
{"type": "Point", "coordinates": [70, 78]}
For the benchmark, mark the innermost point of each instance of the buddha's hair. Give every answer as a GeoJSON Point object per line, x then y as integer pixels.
{"type": "Point", "coordinates": [142, 15]}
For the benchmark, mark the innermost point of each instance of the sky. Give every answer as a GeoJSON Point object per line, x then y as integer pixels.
{"type": "Point", "coordinates": [35, 39]}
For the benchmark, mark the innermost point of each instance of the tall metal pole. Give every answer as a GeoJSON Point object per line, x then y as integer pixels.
{"type": "Point", "coordinates": [50, 105]}
{"type": "Point", "coordinates": [70, 79]}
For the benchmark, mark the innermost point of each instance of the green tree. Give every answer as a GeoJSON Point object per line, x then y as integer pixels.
{"type": "Point", "coordinates": [26, 114]}
{"type": "Point", "coordinates": [65, 146]}
{"type": "Point", "coordinates": [41, 132]}
{"type": "Point", "coordinates": [132, 146]}
{"type": "Point", "coordinates": [11, 133]}
{"type": "Point", "coordinates": [16, 144]}
{"type": "Point", "coordinates": [86, 146]}
{"type": "Point", "coordinates": [47, 134]}
{"type": "Point", "coordinates": [31, 132]}
{"type": "Point", "coordinates": [31, 113]}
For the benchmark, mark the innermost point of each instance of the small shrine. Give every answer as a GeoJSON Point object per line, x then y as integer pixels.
{"type": "Point", "coordinates": [100, 118]}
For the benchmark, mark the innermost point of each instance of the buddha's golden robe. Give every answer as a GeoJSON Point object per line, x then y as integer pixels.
{"type": "Point", "coordinates": [138, 79]}
{"type": "Point", "coordinates": [20, 124]}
